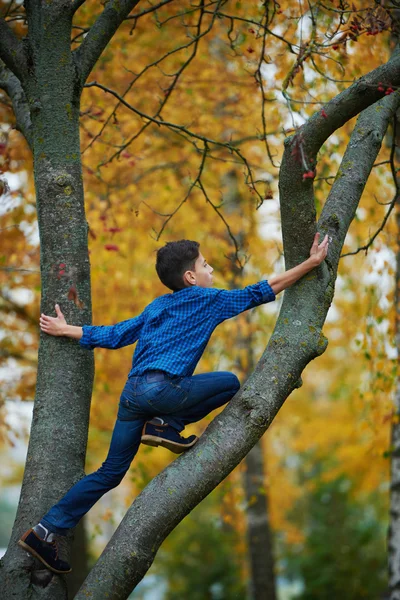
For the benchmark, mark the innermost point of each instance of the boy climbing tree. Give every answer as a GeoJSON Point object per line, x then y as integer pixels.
{"type": "Point", "coordinates": [161, 395]}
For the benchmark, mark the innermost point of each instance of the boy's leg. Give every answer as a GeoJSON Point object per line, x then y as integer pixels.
{"type": "Point", "coordinates": [201, 394]}
{"type": "Point", "coordinates": [208, 392]}
{"type": "Point", "coordinates": [84, 494]}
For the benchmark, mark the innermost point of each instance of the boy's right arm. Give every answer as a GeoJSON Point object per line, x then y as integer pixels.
{"type": "Point", "coordinates": [92, 336]}
{"type": "Point", "coordinates": [58, 326]}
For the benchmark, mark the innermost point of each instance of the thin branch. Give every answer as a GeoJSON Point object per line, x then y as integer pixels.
{"type": "Point", "coordinates": [195, 42]}
{"type": "Point", "coordinates": [260, 81]}
{"type": "Point", "coordinates": [12, 86]}
{"type": "Point", "coordinates": [15, 269]}
{"type": "Point", "coordinates": [367, 246]}
{"type": "Point", "coordinates": [193, 184]}
{"type": "Point", "coordinates": [149, 10]}
{"type": "Point", "coordinates": [18, 309]}
{"type": "Point", "coordinates": [221, 216]}
{"type": "Point", "coordinates": [17, 355]}
{"type": "Point", "coordinates": [180, 129]}
{"type": "Point", "coordinates": [11, 51]}
{"type": "Point", "coordinates": [101, 32]}
{"type": "Point", "coordinates": [76, 4]}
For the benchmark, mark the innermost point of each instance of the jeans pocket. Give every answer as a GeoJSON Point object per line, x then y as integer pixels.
{"type": "Point", "coordinates": [170, 398]}
{"type": "Point", "coordinates": [126, 412]}
{"type": "Point", "coordinates": [144, 389]}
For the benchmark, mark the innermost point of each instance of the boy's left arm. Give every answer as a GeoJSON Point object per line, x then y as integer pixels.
{"type": "Point", "coordinates": [230, 303]}
{"type": "Point", "coordinates": [317, 254]}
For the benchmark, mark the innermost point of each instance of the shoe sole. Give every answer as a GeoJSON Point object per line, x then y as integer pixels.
{"type": "Point", "coordinates": [153, 440]}
{"type": "Point", "coordinates": [34, 553]}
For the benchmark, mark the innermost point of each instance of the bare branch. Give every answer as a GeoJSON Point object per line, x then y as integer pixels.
{"type": "Point", "coordinates": [114, 13]}
{"type": "Point", "coordinates": [19, 309]}
{"type": "Point", "coordinates": [77, 4]}
{"type": "Point", "coordinates": [368, 245]}
{"type": "Point", "coordinates": [176, 76]}
{"type": "Point", "coordinates": [185, 132]}
{"type": "Point", "coordinates": [4, 353]}
{"type": "Point", "coordinates": [12, 86]}
{"type": "Point", "coordinates": [17, 270]}
{"type": "Point", "coordinates": [149, 10]}
{"type": "Point", "coordinates": [11, 51]}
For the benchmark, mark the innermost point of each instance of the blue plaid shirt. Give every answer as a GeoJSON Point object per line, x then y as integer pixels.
{"type": "Point", "coordinates": [174, 329]}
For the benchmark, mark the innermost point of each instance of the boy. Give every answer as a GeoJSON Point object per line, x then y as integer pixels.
{"type": "Point", "coordinates": [161, 395]}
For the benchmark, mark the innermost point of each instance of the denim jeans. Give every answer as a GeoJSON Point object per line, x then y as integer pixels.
{"type": "Point", "coordinates": [177, 400]}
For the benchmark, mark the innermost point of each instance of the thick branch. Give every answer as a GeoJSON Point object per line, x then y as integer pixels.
{"type": "Point", "coordinates": [357, 163]}
{"type": "Point", "coordinates": [114, 13]}
{"type": "Point", "coordinates": [350, 103]}
{"type": "Point", "coordinates": [11, 51]}
{"type": "Point", "coordinates": [300, 155]}
{"type": "Point", "coordinates": [12, 86]}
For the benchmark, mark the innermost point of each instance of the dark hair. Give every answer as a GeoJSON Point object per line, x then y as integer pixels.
{"type": "Point", "coordinates": [173, 260]}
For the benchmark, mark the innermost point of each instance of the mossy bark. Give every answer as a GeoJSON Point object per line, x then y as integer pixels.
{"type": "Point", "coordinates": [57, 445]}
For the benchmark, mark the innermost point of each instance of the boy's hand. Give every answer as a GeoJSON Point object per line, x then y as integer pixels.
{"type": "Point", "coordinates": [53, 325]}
{"type": "Point", "coordinates": [318, 252]}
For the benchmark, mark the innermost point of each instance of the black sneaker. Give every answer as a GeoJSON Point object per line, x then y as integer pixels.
{"type": "Point", "coordinates": [46, 552]}
{"type": "Point", "coordinates": [167, 437]}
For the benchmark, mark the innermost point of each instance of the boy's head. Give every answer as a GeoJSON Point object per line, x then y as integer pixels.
{"type": "Point", "coordinates": [181, 264]}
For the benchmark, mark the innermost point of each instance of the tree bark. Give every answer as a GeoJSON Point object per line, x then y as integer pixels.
{"type": "Point", "coordinates": [65, 373]}
{"type": "Point", "coordinates": [79, 560]}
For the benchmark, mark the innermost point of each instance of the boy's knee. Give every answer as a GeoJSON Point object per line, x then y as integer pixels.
{"type": "Point", "coordinates": [235, 383]}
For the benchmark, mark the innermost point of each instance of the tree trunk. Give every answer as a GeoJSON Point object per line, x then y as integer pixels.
{"type": "Point", "coordinates": [394, 521]}
{"type": "Point", "coordinates": [79, 559]}
{"type": "Point", "coordinates": [262, 576]}
{"type": "Point", "coordinates": [57, 445]}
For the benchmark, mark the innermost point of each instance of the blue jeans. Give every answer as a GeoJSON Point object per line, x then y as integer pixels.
{"type": "Point", "coordinates": [177, 400]}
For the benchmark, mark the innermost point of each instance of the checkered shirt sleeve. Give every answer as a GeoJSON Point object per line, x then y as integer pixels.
{"type": "Point", "coordinates": [112, 336]}
{"type": "Point", "coordinates": [230, 303]}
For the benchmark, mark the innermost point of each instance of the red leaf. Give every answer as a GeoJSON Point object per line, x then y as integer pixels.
{"type": "Point", "coordinates": [111, 247]}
